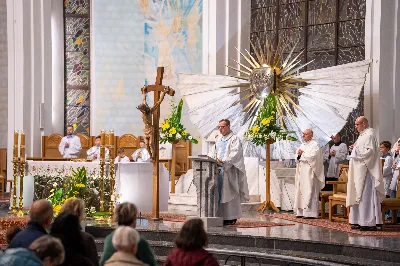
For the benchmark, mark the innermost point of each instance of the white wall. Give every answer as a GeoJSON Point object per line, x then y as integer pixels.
{"type": "Point", "coordinates": [382, 45]}
{"type": "Point", "coordinates": [30, 73]}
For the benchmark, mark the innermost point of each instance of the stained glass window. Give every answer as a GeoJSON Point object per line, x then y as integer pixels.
{"type": "Point", "coordinates": [77, 64]}
{"type": "Point", "coordinates": [330, 32]}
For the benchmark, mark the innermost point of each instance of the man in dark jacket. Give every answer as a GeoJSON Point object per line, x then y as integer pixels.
{"type": "Point", "coordinates": [41, 216]}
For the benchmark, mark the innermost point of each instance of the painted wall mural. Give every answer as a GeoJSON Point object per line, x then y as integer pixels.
{"type": "Point", "coordinates": [131, 39]}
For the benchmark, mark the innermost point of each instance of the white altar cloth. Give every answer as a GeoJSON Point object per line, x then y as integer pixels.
{"type": "Point", "coordinates": [134, 180]}
{"type": "Point", "coordinates": [134, 183]}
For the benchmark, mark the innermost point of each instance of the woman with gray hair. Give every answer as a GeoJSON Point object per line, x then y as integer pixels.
{"type": "Point", "coordinates": [125, 240]}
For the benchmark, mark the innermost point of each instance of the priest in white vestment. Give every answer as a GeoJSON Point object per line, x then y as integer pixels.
{"type": "Point", "coordinates": [94, 152]}
{"type": "Point", "coordinates": [141, 154]}
{"type": "Point", "coordinates": [121, 158]}
{"type": "Point", "coordinates": [232, 181]}
{"type": "Point", "coordinates": [337, 155]}
{"type": "Point", "coordinates": [70, 146]}
{"type": "Point", "coordinates": [310, 178]}
{"type": "Point", "coordinates": [365, 181]}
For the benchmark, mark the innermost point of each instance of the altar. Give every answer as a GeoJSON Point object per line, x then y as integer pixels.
{"type": "Point", "coordinates": [133, 183]}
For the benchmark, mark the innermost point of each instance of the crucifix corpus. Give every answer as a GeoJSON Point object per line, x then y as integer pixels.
{"type": "Point", "coordinates": [151, 120]}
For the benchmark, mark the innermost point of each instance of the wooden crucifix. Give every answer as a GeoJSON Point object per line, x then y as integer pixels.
{"type": "Point", "coordinates": [151, 119]}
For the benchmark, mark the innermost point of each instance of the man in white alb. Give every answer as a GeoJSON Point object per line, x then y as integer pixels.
{"type": "Point", "coordinates": [365, 181]}
{"type": "Point", "coordinates": [232, 181]}
{"type": "Point", "coordinates": [70, 146]}
{"type": "Point", "coordinates": [337, 154]}
{"type": "Point", "coordinates": [94, 152]}
{"type": "Point", "coordinates": [310, 178]}
{"type": "Point", "coordinates": [141, 154]}
{"type": "Point", "coordinates": [121, 158]}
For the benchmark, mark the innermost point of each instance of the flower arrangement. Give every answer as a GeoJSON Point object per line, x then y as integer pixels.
{"type": "Point", "coordinates": [172, 129]}
{"type": "Point", "coordinates": [265, 127]}
{"type": "Point", "coordinates": [75, 188]}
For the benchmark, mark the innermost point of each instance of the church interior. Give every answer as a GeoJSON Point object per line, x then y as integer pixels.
{"type": "Point", "coordinates": [271, 121]}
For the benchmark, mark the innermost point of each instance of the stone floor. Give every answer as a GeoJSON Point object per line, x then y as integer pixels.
{"type": "Point", "coordinates": [299, 232]}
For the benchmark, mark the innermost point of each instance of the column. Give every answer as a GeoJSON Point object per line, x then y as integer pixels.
{"type": "Point", "coordinates": [382, 88]}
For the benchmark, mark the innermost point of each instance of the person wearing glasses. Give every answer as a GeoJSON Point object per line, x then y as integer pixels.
{"type": "Point", "coordinates": [232, 181]}
{"type": "Point", "coordinates": [310, 177]}
{"type": "Point", "coordinates": [365, 180]}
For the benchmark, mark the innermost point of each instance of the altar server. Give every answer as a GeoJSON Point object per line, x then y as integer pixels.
{"type": "Point", "coordinates": [121, 158]}
{"type": "Point", "coordinates": [94, 152]}
{"type": "Point", "coordinates": [337, 155]}
{"type": "Point", "coordinates": [384, 148]}
{"type": "Point", "coordinates": [141, 154]}
{"type": "Point", "coordinates": [232, 181]}
{"type": "Point", "coordinates": [70, 146]}
{"type": "Point", "coordinates": [310, 178]}
{"type": "Point", "coordinates": [365, 180]}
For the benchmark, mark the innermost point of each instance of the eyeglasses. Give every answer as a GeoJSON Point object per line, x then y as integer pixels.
{"type": "Point", "coordinates": [220, 127]}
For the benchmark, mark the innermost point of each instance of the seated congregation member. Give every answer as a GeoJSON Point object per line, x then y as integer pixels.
{"type": "Point", "coordinates": [125, 240]}
{"type": "Point", "coordinates": [189, 246]}
{"type": "Point", "coordinates": [46, 251]}
{"type": "Point", "coordinates": [76, 207]}
{"type": "Point", "coordinates": [66, 227]}
{"type": "Point", "coordinates": [125, 215]}
{"type": "Point", "coordinates": [94, 152]}
{"type": "Point", "coordinates": [70, 146]}
{"type": "Point", "coordinates": [309, 179]}
{"type": "Point", "coordinates": [141, 154]}
{"type": "Point", "coordinates": [396, 166]}
{"type": "Point", "coordinates": [41, 216]}
{"type": "Point", "coordinates": [121, 158]}
{"type": "Point", "coordinates": [12, 232]}
{"type": "Point", "coordinates": [384, 148]}
{"type": "Point", "coordinates": [337, 155]}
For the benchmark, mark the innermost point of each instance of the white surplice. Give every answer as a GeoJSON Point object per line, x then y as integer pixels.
{"type": "Point", "coordinates": [309, 180]}
{"type": "Point", "coordinates": [95, 150]}
{"type": "Point", "coordinates": [334, 161]}
{"type": "Point", "coordinates": [387, 174]}
{"type": "Point", "coordinates": [232, 185]}
{"type": "Point", "coordinates": [74, 148]}
{"type": "Point", "coordinates": [124, 159]}
{"type": "Point", "coordinates": [365, 181]}
{"type": "Point", "coordinates": [145, 155]}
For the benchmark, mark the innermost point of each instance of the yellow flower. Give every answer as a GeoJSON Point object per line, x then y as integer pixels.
{"type": "Point", "coordinates": [184, 133]}
{"type": "Point", "coordinates": [172, 131]}
{"type": "Point", "coordinates": [79, 41]}
{"type": "Point", "coordinates": [273, 112]}
{"type": "Point", "coordinates": [265, 122]}
{"type": "Point", "coordinates": [57, 209]}
{"type": "Point", "coordinates": [256, 129]}
{"type": "Point", "coordinates": [165, 126]}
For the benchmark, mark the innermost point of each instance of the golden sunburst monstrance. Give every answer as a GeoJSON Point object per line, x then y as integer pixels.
{"type": "Point", "coordinates": [267, 73]}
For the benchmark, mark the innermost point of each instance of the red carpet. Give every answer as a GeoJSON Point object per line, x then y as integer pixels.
{"type": "Point", "coordinates": [241, 223]}
{"type": "Point", "coordinates": [338, 226]}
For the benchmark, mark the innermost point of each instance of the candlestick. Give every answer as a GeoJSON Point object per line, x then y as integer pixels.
{"type": "Point", "coordinates": [102, 164]}
{"type": "Point", "coordinates": [112, 175]}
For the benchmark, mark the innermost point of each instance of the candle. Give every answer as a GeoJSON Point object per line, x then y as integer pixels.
{"type": "Point", "coordinates": [103, 138]}
{"type": "Point", "coordinates": [15, 138]}
{"type": "Point", "coordinates": [111, 138]}
{"type": "Point", "coordinates": [22, 138]}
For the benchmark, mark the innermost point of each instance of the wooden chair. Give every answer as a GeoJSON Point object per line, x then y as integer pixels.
{"type": "Point", "coordinates": [391, 205]}
{"type": "Point", "coordinates": [129, 142]}
{"type": "Point", "coordinates": [86, 144]}
{"type": "Point", "coordinates": [339, 194]}
{"type": "Point", "coordinates": [324, 196]}
{"type": "Point", "coordinates": [182, 153]}
{"type": "Point", "coordinates": [50, 146]}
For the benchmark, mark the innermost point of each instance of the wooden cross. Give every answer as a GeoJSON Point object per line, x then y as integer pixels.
{"type": "Point", "coordinates": [157, 88]}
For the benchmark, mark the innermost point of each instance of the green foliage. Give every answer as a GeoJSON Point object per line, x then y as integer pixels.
{"type": "Point", "coordinates": [172, 129]}
{"type": "Point", "coordinates": [265, 127]}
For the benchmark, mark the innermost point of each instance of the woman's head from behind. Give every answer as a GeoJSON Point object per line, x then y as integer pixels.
{"type": "Point", "coordinates": [125, 214]}
{"type": "Point", "coordinates": [74, 206]}
{"type": "Point", "coordinates": [192, 235]}
{"type": "Point", "coordinates": [126, 239]}
{"type": "Point", "coordinates": [49, 250]}
{"type": "Point", "coordinates": [67, 228]}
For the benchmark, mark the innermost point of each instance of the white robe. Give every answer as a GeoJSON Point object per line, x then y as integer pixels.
{"type": "Point", "coordinates": [309, 180]}
{"type": "Point", "coordinates": [145, 155]}
{"type": "Point", "coordinates": [387, 174]}
{"type": "Point", "coordinates": [74, 148]}
{"type": "Point", "coordinates": [124, 159]}
{"type": "Point", "coordinates": [334, 161]}
{"type": "Point", "coordinates": [234, 189]}
{"type": "Point", "coordinates": [95, 150]}
{"type": "Point", "coordinates": [395, 179]}
{"type": "Point", "coordinates": [365, 181]}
